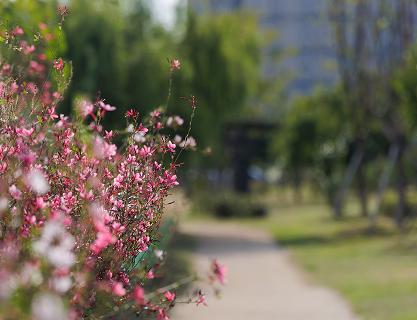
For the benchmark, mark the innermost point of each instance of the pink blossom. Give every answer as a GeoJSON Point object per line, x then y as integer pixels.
{"type": "Point", "coordinates": [171, 146]}
{"type": "Point", "coordinates": [175, 64]}
{"type": "Point", "coordinates": [40, 203]}
{"type": "Point", "coordinates": [27, 49]}
{"type": "Point", "coordinates": [105, 106]}
{"type": "Point", "coordinates": [117, 182]}
{"type": "Point", "coordinates": [170, 296]}
{"type": "Point", "coordinates": [145, 151]}
{"type": "Point", "coordinates": [150, 275]}
{"type": "Point", "coordinates": [118, 290]}
{"type": "Point", "coordinates": [219, 271]}
{"type": "Point", "coordinates": [131, 113]}
{"type": "Point", "coordinates": [170, 179]}
{"type": "Point", "coordinates": [52, 114]}
{"type": "Point", "coordinates": [142, 129]}
{"type": "Point", "coordinates": [109, 134]}
{"type": "Point", "coordinates": [155, 114]}
{"type": "Point", "coordinates": [32, 88]}
{"type": "Point", "coordinates": [42, 25]}
{"type": "Point", "coordinates": [15, 192]}
{"type": "Point", "coordinates": [201, 299]}
{"type": "Point", "coordinates": [24, 132]}
{"type": "Point", "coordinates": [36, 67]}
{"type": "Point", "coordinates": [17, 31]}
{"type": "Point", "coordinates": [103, 150]}
{"type": "Point", "coordinates": [139, 295]}
{"type": "Point", "coordinates": [85, 108]}
{"type": "Point", "coordinates": [14, 87]}
{"type": "Point", "coordinates": [162, 315]}
{"type": "Point", "coordinates": [104, 238]}
{"type": "Point", "coordinates": [59, 64]}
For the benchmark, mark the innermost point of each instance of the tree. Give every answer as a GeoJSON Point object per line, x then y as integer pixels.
{"type": "Point", "coordinates": [372, 40]}
{"type": "Point", "coordinates": [309, 146]}
{"type": "Point", "coordinates": [222, 69]}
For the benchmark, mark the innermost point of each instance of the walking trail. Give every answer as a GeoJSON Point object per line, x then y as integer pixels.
{"type": "Point", "coordinates": [263, 283]}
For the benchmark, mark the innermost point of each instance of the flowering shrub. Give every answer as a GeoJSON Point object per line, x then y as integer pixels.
{"type": "Point", "coordinates": [79, 217]}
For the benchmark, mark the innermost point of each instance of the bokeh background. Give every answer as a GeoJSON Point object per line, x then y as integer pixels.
{"type": "Point", "coordinates": [306, 124]}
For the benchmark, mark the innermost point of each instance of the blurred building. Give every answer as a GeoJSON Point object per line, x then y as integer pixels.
{"type": "Point", "coordinates": [302, 50]}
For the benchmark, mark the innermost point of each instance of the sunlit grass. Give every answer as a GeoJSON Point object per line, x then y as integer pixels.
{"type": "Point", "coordinates": [376, 272]}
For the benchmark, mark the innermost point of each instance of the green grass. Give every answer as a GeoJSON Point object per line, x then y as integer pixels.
{"type": "Point", "coordinates": [376, 272]}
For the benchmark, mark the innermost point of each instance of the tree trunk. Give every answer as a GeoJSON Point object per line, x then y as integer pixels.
{"type": "Point", "coordinates": [401, 191]}
{"type": "Point", "coordinates": [347, 180]}
{"type": "Point", "coordinates": [362, 190]}
{"type": "Point", "coordinates": [383, 182]}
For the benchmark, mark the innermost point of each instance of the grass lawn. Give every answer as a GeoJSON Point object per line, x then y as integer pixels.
{"type": "Point", "coordinates": [376, 272]}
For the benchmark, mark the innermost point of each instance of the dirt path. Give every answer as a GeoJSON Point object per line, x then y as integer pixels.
{"type": "Point", "coordinates": [263, 283]}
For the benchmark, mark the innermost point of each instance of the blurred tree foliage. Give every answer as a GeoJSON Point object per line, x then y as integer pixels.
{"type": "Point", "coordinates": [119, 54]}
{"type": "Point", "coordinates": [309, 145]}
{"type": "Point", "coordinates": [222, 69]}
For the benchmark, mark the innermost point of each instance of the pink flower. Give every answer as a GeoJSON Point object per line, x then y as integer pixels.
{"type": "Point", "coordinates": [145, 151]}
{"type": "Point", "coordinates": [104, 238]}
{"type": "Point", "coordinates": [155, 113]}
{"type": "Point", "coordinates": [103, 150]}
{"type": "Point", "coordinates": [131, 113]}
{"type": "Point", "coordinates": [59, 64]}
{"type": "Point", "coordinates": [219, 271]}
{"type": "Point", "coordinates": [162, 315]}
{"type": "Point", "coordinates": [150, 275]}
{"type": "Point", "coordinates": [175, 64]}
{"type": "Point", "coordinates": [105, 106]}
{"type": "Point", "coordinates": [139, 295]}
{"type": "Point", "coordinates": [142, 129]}
{"type": "Point", "coordinates": [108, 134]}
{"type": "Point", "coordinates": [27, 49]}
{"type": "Point", "coordinates": [201, 299]}
{"type": "Point", "coordinates": [24, 132]}
{"type": "Point", "coordinates": [118, 227]}
{"type": "Point", "coordinates": [170, 296]}
{"type": "Point", "coordinates": [36, 67]}
{"type": "Point", "coordinates": [170, 179]}
{"type": "Point", "coordinates": [15, 192]}
{"type": "Point", "coordinates": [85, 108]}
{"type": "Point", "coordinates": [118, 181]}
{"type": "Point", "coordinates": [17, 31]}
{"type": "Point", "coordinates": [52, 114]}
{"type": "Point", "coordinates": [171, 146]}
{"type": "Point", "coordinates": [117, 289]}
{"type": "Point", "coordinates": [40, 203]}
{"type": "Point", "coordinates": [32, 88]}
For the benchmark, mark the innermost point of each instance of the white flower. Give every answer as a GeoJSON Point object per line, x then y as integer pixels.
{"type": "Point", "coordinates": [56, 245]}
{"type": "Point", "coordinates": [130, 128]}
{"type": "Point", "coordinates": [37, 182]}
{"type": "Point", "coordinates": [48, 306]}
{"type": "Point", "coordinates": [177, 139]}
{"type": "Point", "coordinates": [159, 254]}
{"type": "Point", "coordinates": [4, 204]}
{"type": "Point", "coordinates": [139, 137]}
{"type": "Point", "coordinates": [172, 121]}
{"type": "Point", "coordinates": [188, 143]}
{"type": "Point", "coordinates": [62, 284]}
